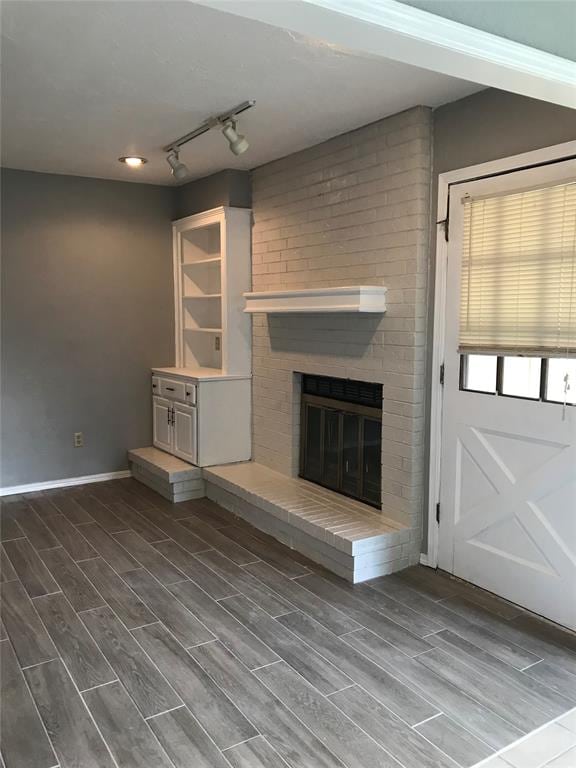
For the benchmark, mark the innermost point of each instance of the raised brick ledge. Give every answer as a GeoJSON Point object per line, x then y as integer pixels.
{"type": "Point", "coordinates": [344, 524]}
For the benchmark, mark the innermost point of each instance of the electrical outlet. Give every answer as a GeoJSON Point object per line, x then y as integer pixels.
{"type": "Point", "coordinates": [78, 440]}
{"type": "Point", "coordinates": [217, 343]}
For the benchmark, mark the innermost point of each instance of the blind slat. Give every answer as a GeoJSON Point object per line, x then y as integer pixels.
{"type": "Point", "coordinates": [518, 288]}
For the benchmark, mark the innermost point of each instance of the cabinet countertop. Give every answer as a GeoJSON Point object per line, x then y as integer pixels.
{"type": "Point", "coordinates": [201, 374]}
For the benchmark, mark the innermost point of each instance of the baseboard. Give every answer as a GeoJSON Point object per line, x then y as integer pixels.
{"type": "Point", "coordinates": [47, 484]}
{"type": "Point", "coordinates": [425, 560]}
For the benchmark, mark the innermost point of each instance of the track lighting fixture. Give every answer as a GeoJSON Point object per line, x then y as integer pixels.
{"type": "Point", "coordinates": [179, 170]}
{"type": "Point", "coordinates": [237, 142]}
{"type": "Point", "coordinates": [226, 122]}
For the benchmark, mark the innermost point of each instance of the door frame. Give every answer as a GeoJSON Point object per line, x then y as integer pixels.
{"type": "Point", "coordinates": [558, 152]}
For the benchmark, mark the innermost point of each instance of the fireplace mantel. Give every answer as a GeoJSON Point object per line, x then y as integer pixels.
{"type": "Point", "coordinates": [356, 298]}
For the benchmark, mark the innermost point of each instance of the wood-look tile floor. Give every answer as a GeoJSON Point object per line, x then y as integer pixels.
{"type": "Point", "coordinates": [142, 634]}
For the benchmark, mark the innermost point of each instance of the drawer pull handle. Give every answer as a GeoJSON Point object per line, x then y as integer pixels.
{"type": "Point", "coordinates": [170, 389]}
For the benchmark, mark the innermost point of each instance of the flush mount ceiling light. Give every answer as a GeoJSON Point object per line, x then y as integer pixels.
{"type": "Point", "coordinates": [226, 122]}
{"type": "Point", "coordinates": [133, 161]}
{"type": "Point", "coordinates": [178, 169]}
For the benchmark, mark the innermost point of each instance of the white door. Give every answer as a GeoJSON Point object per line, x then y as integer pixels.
{"type": "Point", "coordinates": [508, 463]}
{"type": "Point", "coordinates": [161, 423]}
{"type": "Point", "coordinates": [185, 443]}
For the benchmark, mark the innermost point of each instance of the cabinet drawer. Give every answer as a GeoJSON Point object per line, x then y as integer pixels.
{"type": "Point", "coordinates": [155, 385]}
{"type": "Point", "coordinates": [191, 394]}
{"type": "Point", "coordinates": [175, 390]}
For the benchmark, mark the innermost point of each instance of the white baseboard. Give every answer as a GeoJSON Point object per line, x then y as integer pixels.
{"type": "Point", "coordinates": [425, 560]}
{"type": "Point", "coordinates": [31, 487]}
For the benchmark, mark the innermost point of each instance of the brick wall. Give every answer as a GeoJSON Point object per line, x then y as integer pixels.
{"type": "Point", "coordinates": [353, 210]}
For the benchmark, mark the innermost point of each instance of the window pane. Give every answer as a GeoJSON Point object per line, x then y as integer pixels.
{"type": "Point", "coordinates": [521, 377]}
{"type": "Point", "coordinates": [480, 373]}
{"type": "Point", "coordinates": [558, 368]}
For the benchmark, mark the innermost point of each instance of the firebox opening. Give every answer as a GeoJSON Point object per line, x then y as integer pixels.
{"type": "Point", "coordinates": [341, 436]}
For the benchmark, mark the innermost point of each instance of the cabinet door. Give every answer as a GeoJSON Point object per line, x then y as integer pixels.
{"type": "Point", "coordinates": [185, 443]}
{"type": "Point", "coordinates": [162, 429]}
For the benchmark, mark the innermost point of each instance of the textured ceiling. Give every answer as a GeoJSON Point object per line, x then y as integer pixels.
{"type": "Point", "coordinates": [87, 82]}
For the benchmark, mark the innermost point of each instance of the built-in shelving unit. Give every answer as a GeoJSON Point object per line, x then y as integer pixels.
{"type": "Point", "coordinates": [211, 273]}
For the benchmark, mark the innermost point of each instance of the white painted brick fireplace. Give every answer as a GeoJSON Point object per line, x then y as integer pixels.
{"type": "Point", "coordinates": [353, 210]}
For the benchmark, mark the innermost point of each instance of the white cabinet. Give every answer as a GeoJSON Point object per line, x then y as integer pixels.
{"type": "Point", "coordinates": [202, 406]}
{"type": "Point", "coordinates": [204, 419]}
{"type": "Point", "coordinates": [184, 432]}
{"type": "Point", "coordinates": [162, 427]}
{"type": "Point", "coordinates": [175, 428]}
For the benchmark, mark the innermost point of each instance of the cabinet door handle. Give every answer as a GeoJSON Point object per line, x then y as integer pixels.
{"type": "Point", "coordinates": [170, 389]}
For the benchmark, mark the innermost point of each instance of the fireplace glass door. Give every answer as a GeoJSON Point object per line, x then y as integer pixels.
{"type": "Point", "coordinates": [341, 446]}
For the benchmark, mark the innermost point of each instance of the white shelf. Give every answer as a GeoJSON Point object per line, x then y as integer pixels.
{"type": "Point", "coordinates": [357, 298]}
{"type": "Point", "coordinates": [202, 330]}
{"type": "Point", "coordinates": [204, 296]}
{"type": "Point", "coordinates": [211, 260]}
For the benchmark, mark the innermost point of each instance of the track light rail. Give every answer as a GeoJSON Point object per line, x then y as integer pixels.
{"type": "Point", "coordinates": [212, 122]}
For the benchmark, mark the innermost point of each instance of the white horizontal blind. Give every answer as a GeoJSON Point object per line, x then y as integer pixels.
{"type": "Point", "coordinates": [518, 288]}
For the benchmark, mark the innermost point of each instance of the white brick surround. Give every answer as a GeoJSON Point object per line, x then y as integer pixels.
{"type": "Point", "coordinates": [353, 210]}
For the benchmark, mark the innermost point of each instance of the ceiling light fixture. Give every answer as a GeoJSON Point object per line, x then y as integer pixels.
{"type": "Point", "coordinates": [226, 122]}
{"type": "Point", "coordinates": [179, 169]}
{"type": "Point", "coordinates": [238, 143]}
{"type": "Point", "coordinates": [133, 161]}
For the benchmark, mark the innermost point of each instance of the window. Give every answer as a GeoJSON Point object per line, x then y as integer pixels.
{"type": "Point", "coordinates": [558, 387]}
{"type": "Point", "coordinates": [521, 377]}
{"type": "Point", "coordinates": [479, 373]}
{"type": "Point", "coordinates": [518, 280]}
{"type": "Point", "coordinates": [551, 380]}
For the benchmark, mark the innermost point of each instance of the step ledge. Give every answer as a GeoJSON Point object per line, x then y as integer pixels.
{"type": "Point", "coordinates": [165, 466]}
{"type": "Point", "coordinates": [345, 524]}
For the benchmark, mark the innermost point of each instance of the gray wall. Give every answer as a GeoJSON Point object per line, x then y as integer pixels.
{"type": "Point", "coordinates": [87, 309]}
{"type": "Point", "coordinates": [487, 126]}
{"type": "Point", "coordinates": [549, 25]}
{"type": "Point", "coordinates": [229, 187]}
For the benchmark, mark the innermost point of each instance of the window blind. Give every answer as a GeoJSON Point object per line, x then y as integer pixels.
{"type": "Point", "coordinates": [518, 288]}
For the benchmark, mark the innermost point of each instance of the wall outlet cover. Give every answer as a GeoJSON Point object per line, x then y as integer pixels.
{"type": "Point", "coordinates": [78, 439]}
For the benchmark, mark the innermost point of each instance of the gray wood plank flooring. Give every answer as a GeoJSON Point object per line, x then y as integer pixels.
{"type": "Point", "coordinates": [131, 741]}
{"type": "Point", "coordinates": [30, 569]}
{"type": "Point", "coordinates": [185, 741]}
{"type": "Point", "coordinates": [140, 632]}
{"type": "Point", "coordinates": [84, 661]}
{"type": "Point", "coordinates": [72, 732]}
{"type": "Point", "coordinates": [141, 678]}
{"type": "Point", "coordinates": [24, 627]}
{"type": "Point", "coordinates": [72, 581]}
{"type": "Point", "coordinates": [25, 743]}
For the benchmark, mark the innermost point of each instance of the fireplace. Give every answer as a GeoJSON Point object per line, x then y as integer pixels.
{"type": "Point", "coordinates": [341, 436]}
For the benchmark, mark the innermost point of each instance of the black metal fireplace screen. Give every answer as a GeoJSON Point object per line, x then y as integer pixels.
{"type": "Point", "coordinates": [341, 436]}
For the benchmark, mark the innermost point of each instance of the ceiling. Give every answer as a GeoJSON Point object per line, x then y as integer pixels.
{"type": "Point", "coordinates": [87, 82]}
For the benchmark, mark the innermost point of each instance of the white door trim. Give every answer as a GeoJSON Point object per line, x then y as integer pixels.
{"type": "Point", "coordinates": [494, 167]}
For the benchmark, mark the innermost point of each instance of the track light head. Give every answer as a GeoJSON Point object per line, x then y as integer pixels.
{"type": "Point", "coordinates": [238, 143]}
{"type": "Point", "coordinates": [179, 170]}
